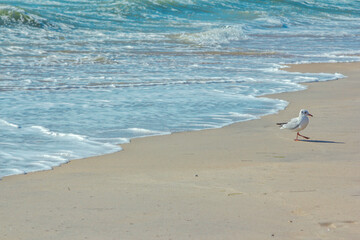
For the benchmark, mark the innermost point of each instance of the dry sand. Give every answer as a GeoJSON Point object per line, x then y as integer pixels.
{"type": "Point", "coordinates": [246, 181]}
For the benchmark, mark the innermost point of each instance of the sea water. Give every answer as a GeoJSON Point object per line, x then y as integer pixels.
{"type": "Point", "coordinates": [78, 77]}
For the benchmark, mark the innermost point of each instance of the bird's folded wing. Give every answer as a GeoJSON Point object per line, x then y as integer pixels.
{"type": "Point", "coordinates": [294, 123]}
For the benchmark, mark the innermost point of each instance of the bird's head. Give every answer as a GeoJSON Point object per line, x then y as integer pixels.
{"type": "Point", "coordinates": [304, 112]}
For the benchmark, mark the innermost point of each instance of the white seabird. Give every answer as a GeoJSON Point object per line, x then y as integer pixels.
{"type": "Point", "coordinates": [297, 124]}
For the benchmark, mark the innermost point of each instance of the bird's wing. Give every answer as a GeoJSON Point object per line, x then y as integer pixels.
{"type": "Point", "coordinates": [292, 124]}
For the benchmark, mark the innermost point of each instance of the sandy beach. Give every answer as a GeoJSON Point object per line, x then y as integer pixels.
{"type": "Point", "coordinates": [248, 180]}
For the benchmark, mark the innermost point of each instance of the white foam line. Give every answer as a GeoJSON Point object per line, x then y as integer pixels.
{"type": "Point", "coordinates": [56, 134]}
{"type": "Point", "coordinates": [2, 121]}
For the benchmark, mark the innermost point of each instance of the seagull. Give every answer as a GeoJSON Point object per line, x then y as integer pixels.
{"type": "Point", "coordinates": [297, 124]}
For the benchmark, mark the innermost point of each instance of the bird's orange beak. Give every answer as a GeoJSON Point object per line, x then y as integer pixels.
{"type": "Point", "coordinates": [310, 115]}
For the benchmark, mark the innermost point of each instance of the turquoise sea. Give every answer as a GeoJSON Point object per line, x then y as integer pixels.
{"type": "Point", "coordinates": [79, 77]}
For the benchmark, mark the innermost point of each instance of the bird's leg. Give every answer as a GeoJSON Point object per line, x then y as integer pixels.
{"type": "Point", "coordinates": [296, 139]}
{"type": "Point", "coordinates": [303, 136]}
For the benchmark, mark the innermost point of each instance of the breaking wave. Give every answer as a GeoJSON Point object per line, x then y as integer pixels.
{"type": "Point", "coordinates": [10, 15]}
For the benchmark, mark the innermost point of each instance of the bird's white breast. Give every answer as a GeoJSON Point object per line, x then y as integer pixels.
{"type": "Point", "coordinates": [303, 124]}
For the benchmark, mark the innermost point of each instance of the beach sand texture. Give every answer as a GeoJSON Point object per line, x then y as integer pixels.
{"type": "Point", "coordinates": [248, 180]}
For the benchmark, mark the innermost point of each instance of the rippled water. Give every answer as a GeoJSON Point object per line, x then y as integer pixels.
{"type": "Point", "coordinates": [79, 77]}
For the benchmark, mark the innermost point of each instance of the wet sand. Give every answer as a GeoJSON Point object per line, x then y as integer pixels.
{"type": "Point", "coordinates": [248, 180]}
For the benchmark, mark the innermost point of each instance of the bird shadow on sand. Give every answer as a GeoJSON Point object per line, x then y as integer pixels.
{"type": "Point", "coordinates": [319, 141]}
